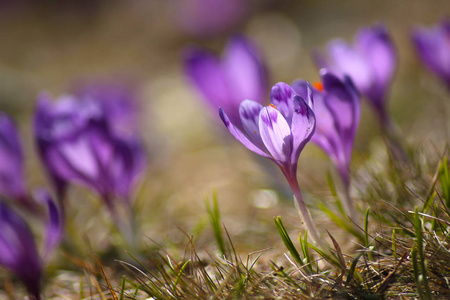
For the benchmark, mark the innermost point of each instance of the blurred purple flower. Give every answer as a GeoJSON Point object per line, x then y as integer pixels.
{"type": "Point", "coordinates": [433, 47]}
{"type": "Point", "coordinates": [370, 63]}
{"type": "Point", "coordinates": [279, 132]}
{"type": "Point", "coordinates": [18, 251]}
{"type": "Point", "coordinates": [206, 18]}
{"type": "Point", "coordinates": [78, 143]}
{"type": "Point", "coordinates": [225, 82]}
{"type": "Point", "coordinates": [11, 161]}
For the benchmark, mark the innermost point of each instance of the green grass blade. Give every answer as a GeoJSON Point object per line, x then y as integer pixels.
{"type": "Point", "coordinates": [287, 240]}
{"type": "Point", "coordinates": [214, 217]}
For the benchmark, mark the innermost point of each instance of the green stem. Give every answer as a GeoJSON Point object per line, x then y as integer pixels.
{"type": "Point", "coordinates": [305, 215]}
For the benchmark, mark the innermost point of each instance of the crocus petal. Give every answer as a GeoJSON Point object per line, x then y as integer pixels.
{"type": "Point", "coordinates": [342, 102]}
{"type": "Point", "coordinates": [305, 91]}
{"type": "Point", "coordinates": [11, 160]}
{"type": "Point", "coordinates": [351, 63]}
{"type": "Point", "coordinates": [433, 47]}
{"type": "Point", "coordinates": [241, 137]}
{"type": "Point", "coordinates": [249, 112]}
{"type": "Point", "coordinates": [18, 252]}
{"type": "Point", "coordinates": [205, 71]}
{"type": "Point", "coordinates": [276, 134]}
{"type": "Point", "coordinates": [303, 126]}
{"type": "Point", "coordinates": [326, 136]}
{"type": "Point", "coordinates": [379, 52]}
{"type": "Point", "coordinates": [55, 227]}
{"type": "Point", "coordinates": [282, 97]}
{"type": "Point", "coordinates": [244, 70]}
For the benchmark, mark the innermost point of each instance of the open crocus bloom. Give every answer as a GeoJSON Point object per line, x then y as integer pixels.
{"type": "Point", "coordinates": [78, 144]}
{"type": "Point", "coordinates": [433, 47]}
{"type": "Point", "coordinates": [12, 183]}
{"type": "Point", "coordinates": [225, 82]}
{"type": "Point", "coordinates": [278, 131]}
{"type": "Point", "coordinates": [18, 251]}
{"type": "Point", "coordinates": [370, 62]}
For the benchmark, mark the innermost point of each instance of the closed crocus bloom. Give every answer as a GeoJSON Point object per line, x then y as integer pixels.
{"type": "Point", "coordinates": [225, 82]}
{"type": "Point", "coordinates": [433, 47]}
{"type": "Point", "coordinates": [279, 132]}
{"type": "Point", "coordinates": [78, 145]}
{"type": "Point", "coordinates": [337, 109]}
{"type": "Point", "coordinates": [370, 62]}
{"type": "Point", "coordinates": [18, 251]}
{"type": "Point", "coordinates": [11, 161]}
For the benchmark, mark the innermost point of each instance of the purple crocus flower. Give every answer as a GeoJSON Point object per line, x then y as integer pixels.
{"type": "Point", "coordinates": [370, 62]}
{"type": "Point", "coordinates": [433, 47]}
{"type": "Point", "coordinates": [18, 251]}
{"type": "Point", "coordinates": [78, 144]}
{"type": "Point", "coordinates": [12, 183]}
{"type": "Point", "coordinates": [279, 132]}
{"type": "Point", "coordinates": [225, 82]}
{"type": "Point", "coordinates": [337, 109]}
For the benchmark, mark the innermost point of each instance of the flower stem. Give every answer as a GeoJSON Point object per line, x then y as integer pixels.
{"type": "Point", "coordinates": [305, 214]}
{"type": "Point", "coordinates": [391, 138]}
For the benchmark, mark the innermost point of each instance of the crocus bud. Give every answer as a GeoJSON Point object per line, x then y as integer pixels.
{"type": "Point", "coordinates": [11, 161]}
{"type": "Point", "coordinates": [433, 46]}
{"type": "Point", "coordinates": [226, 82]}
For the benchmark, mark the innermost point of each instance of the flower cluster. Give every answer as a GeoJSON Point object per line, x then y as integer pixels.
{"type": "Point", "coordinates": [88, 139]}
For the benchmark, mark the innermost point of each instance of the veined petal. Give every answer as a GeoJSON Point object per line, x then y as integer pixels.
{"type": "Point", "coordinates": [249, 112]}
{"type": "Point", "coordinates": [325, 136]}
{"type": "Point", "coordinates": [282, 97]}
{"type": "Point", "coordinates": [303, 126]}
{"type": "Point", "coordinates": [342, 101]}
{"type": "Point", "coordinates": [305, 91]}
{"type": "Point", "coordinates": [276, 134]}
{"type": "Point", "coordinates": [241, 136]}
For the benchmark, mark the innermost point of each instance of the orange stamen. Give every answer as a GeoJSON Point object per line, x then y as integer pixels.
{"type": "Point", "coordinates": [273, 106]}
{"type": "Point", "coordinates": [318, 85]}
